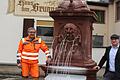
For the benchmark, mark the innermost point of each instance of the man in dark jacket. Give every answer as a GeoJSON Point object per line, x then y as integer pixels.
{"type": "Point", "coordinates": [112, 59]}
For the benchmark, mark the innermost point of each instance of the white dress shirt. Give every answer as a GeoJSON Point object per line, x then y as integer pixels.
{"type": "Point", "coordinates": [112, 55]}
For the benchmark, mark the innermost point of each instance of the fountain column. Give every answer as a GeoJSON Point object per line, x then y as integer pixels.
{"type": "Point", "coordinates": [72, 45]}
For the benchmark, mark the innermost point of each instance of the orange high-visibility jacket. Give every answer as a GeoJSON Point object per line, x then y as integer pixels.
{"type": "Point", "coordinates": [28, 50]}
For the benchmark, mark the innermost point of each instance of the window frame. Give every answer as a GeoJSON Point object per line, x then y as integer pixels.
{"type": "Point", "coordinates": [102, 19]}
{"type": "Point", "coordinates": [100, 44]}
{"type": "Point", "coordinates": [118, 11]}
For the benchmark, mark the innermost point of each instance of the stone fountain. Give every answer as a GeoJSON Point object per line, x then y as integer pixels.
{"type": "Point", "coordinates": [72, 44]}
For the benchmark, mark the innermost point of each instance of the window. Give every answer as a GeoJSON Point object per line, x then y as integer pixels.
{"type": "Point", "coordinates": [100, 16]}
{"type": "Point", "coordinates": [118, 11]}
{"type": "Point", "coordinates": [46, 33]}
{"type": "Point", "coordinates": [97, 41]}
{"type": "Point", "coordinates": [26, 24]}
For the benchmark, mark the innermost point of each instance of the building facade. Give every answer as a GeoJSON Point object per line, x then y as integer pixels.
{"type": "Point", "coordinates": [13, 24]}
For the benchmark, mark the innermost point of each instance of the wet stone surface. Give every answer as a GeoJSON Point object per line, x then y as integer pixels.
{"type": "Point", "coordinates": [9, 77]}
{"type": "Point", "coordinates": [13, 77]}
{"type": "Point", "coordinates": [13, 73]}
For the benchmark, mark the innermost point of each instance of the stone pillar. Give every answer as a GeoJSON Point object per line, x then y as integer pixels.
{"type": "Point", "coordinates": [73, 27]}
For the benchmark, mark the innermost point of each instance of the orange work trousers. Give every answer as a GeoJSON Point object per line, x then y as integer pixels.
{"type": "Point", "coordinates": [30, 69]}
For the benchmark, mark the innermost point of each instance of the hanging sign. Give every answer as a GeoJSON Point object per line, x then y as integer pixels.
{"type": "Point", "coordinates": [35, 7]}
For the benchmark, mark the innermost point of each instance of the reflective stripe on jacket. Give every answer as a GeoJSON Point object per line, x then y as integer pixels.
{"type": "Point", "coordinates": [28, 50]}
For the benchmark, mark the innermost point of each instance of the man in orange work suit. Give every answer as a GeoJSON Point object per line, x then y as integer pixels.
{"type": "Point", "coordinates": [27, 56]}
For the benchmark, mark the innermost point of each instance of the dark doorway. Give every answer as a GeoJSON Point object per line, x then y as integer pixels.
{"type": "Point", "coordinates": [26, 24]}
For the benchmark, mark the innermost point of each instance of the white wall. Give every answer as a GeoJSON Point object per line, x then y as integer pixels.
{"type": "Point", "coordinates": [117, 28]}
{"type": "Point", "coordinates": [97, 54]}
{"type": "Point", "coordinates": [10, 32]}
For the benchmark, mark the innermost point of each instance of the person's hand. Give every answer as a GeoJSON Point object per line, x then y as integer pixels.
{"type": "Point", "coordinates": [43, 67]}
{"type": "Point", "coordinates": [48, 60]}
{"type": "Point", "coordinates": [96, 67]}
{"type": "Point", "coordinates": [19, 65]}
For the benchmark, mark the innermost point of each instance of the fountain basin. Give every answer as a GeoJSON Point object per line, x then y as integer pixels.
{"type": "Point", "coordinates": [67, 70]}
{"type": "Point", "coordinates": [65, 77]}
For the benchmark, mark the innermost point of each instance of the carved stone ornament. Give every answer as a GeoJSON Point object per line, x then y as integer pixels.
{"type": "Point", "coordinates": [76, 5]}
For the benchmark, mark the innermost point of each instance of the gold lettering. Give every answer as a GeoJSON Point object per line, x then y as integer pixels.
{"type": "Point", "coordinates": [48, 9]}
{"type": "Point", "coordinates": [35, 7]}
{"type": "Point", "coordinates": [29, 6]}
{"type": "Point", "coordinates": [28, 3]}
{"type": "Point", "coordinates": [52, 8]}
{"type": "Point", "coordinates": [45, 9]}
{"type": "Point", "coordinates": [21, 3]}
{"type": "Point", "coordinates": [25, 9]}
{"type": "Point", "coordinates": [41, 8]}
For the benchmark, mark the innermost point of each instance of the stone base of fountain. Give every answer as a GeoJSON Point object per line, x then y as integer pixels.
{"type": "Point", "coordinates": [72, 44]}
{"type": "Point", "coordinates": [70, 73]}
{"type": "Point", "coordinates": [65, 77]}
{"type": "Point", "coordinates": [87, 64]}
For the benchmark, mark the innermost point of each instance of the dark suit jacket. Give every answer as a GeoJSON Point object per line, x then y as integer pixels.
{"type": "Point", "coordinates": [106, 58]}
